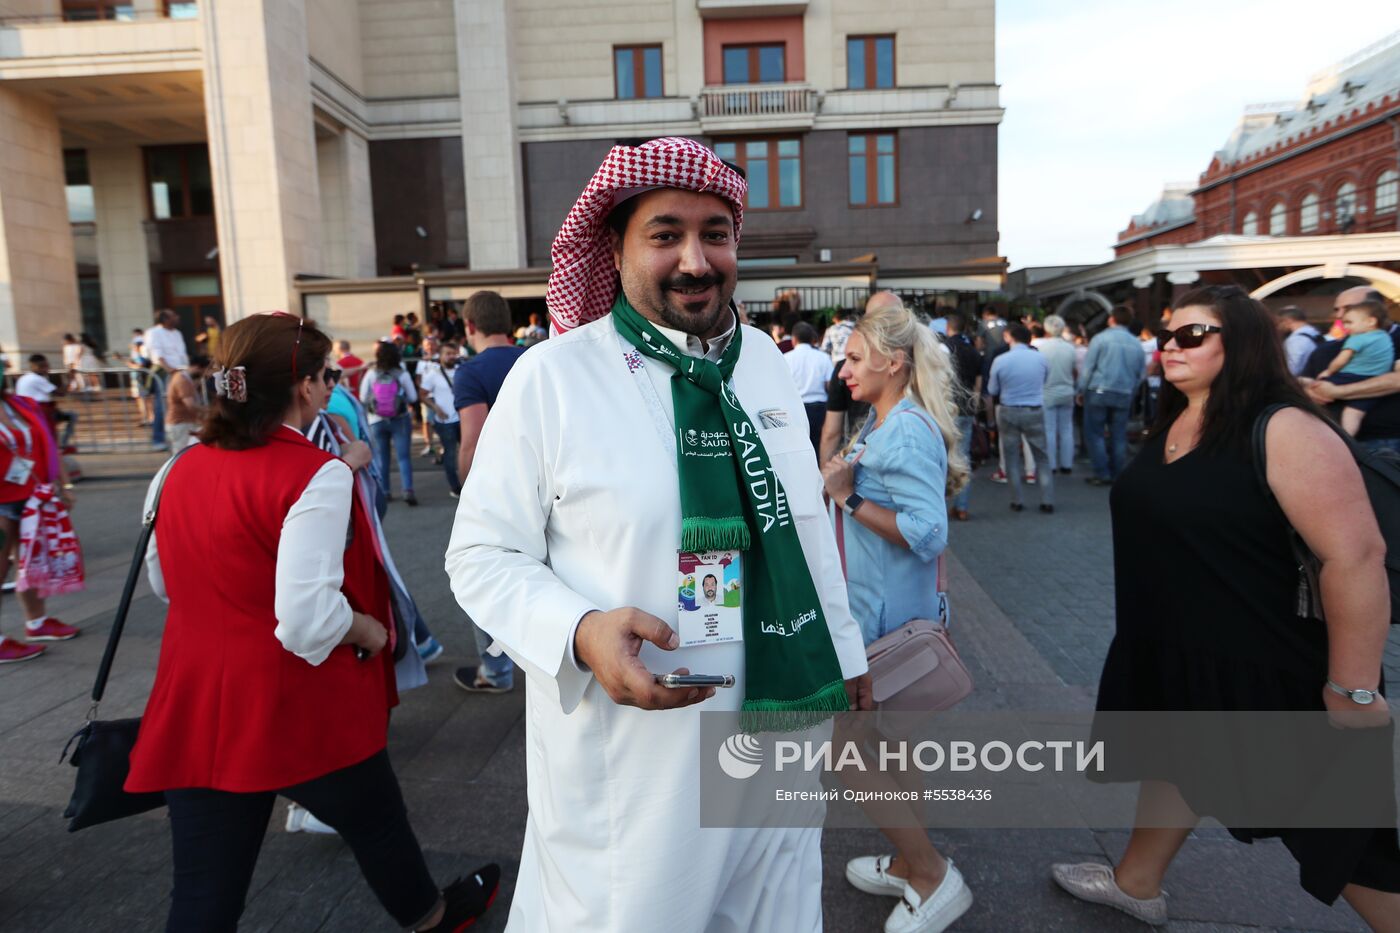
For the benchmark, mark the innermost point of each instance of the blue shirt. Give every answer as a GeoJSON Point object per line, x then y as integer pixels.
{"type": "Point", "coordinates": [478, 380]}
{"type": "Point", "coordinates": [1018, 377]}
{"type": "Point", "coordinates": [902, 466]}
{"type": "Point", "coordinates": [1374, 353]}
{"type": "Point", "coordinates": [1115, 362]}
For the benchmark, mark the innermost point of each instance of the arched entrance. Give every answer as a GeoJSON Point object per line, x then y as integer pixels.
{"type": "Point", "coordinates": [1085, 306]}
{"type": "Point", "coordinates": [1386, 281]}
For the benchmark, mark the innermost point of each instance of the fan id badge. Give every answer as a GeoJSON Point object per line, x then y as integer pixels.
{"type": "Point", "coordinates": [18, 473]}
{"type": "Point", "coordinates": [710, 598]}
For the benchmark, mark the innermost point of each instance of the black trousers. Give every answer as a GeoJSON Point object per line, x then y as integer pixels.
{"type": "Point", "coordinates": [816, 417]}
{"type": "Point", "coordinates": [217, 836]}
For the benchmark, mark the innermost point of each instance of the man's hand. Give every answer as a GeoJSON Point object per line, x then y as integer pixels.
{"type": "Point", "coordinates": [1324, 393]}
{"type": "Point", "coordinates": [860, 691]}
{"type": "Point", "coordinates": [610, 643]}
{"type": "Point", "coordinates": [357, 454]}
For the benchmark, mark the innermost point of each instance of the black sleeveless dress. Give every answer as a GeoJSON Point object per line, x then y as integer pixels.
{"type": "Point", "coordinates": [1206, 589]}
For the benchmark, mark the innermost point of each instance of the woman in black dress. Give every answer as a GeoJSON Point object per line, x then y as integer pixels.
{"type": "Point", "coordinates": [1207, 584]}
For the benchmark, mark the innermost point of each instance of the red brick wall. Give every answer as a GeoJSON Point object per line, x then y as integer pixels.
{"type": "Point", "coordinates": [1187, 234]}
{"type": "Point", "coordinates": [1348, 152]}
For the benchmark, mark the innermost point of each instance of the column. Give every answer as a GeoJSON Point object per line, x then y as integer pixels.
{"type": "Point", "coordinates": [688, 50]}
{"type": "Point", "coordinates": [38, 274]}
{"type": "Point", "coordinates": [490, 144]}
{"type": "Point", "coordinates": [124, 264]}
{"type": "Point", "coordinates": [347, 212]}
{"type": "Point", "coordinates": [262, 152]}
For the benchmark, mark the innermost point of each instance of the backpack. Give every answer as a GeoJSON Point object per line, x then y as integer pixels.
{"type": "Point", "coordinates": [1380, 471]}
{"type": "Point", "coordinates": [389, 401]}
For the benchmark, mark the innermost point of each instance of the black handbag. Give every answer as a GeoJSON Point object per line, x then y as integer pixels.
{"type": "Point", "coordinates": [103, 748]}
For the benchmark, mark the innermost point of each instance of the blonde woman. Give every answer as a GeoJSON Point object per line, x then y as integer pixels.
{"type": "Point", "coordinates": [892, 482]}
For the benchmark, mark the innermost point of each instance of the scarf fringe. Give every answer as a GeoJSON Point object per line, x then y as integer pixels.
{"type": "Point", "coordinates": [701, 533]}
{"type": "Point", "coordinates": [757, 716]}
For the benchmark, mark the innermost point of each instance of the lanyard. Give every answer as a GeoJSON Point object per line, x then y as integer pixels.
{"type": "Point", "coordinates": [636, 368]}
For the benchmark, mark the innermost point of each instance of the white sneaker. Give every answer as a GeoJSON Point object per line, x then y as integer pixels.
{"type": "Point", "coordinates": [300, 820]}
{"type": "Point", "coordinates": [870, 873]}
{"type": "Point", "coordinates": [945, 905]}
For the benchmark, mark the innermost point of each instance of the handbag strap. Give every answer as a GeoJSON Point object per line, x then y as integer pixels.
{"type": "Point", "coordinates": [148, 526]}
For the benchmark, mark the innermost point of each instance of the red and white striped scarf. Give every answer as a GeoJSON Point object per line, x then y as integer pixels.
{"type": "Point", "coordinates": [584, 283]}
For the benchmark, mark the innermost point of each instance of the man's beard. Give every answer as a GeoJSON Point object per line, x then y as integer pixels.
{"type": "Point", "coordinates": [670, 307]}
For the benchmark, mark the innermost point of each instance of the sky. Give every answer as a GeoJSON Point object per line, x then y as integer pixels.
{"type": "Point", "coordinates": [1108, 100]}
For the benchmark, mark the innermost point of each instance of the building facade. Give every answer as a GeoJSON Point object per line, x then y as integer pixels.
{"type": "Point", "coordinates": [222, 157]}
{"type": "Point", "coordinates": [1328, 163]}
{"type": "Point", "coordinates": [1302, 202]}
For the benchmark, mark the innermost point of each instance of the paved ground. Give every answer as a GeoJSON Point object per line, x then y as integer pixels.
{"type": "Point", "coordinates": [1033, 610]}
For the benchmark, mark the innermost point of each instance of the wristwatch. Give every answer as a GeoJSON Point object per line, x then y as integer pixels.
{"type": "Point", "coordinates": [853, 502]}
{"type": "Point", "coordinates": [1359, 697]}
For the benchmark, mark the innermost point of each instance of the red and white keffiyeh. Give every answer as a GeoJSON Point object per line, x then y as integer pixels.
{"type": "Point", "coordinates": [584, 283]}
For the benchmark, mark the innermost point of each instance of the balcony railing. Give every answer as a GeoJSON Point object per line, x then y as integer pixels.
{"type": "Point", "coordinates": [758, 100]}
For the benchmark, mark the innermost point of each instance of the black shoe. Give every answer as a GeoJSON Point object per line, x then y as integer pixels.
{"type": "Point", "coordinates": [1017, 507]}
{"type": "Point", "coordinates": [468, 898]}
{"type": "Point", "coordinates": [1047, 509]}
{"type": "Point", "coordinates": [410, 498]}
{"type": "Point", "coordinates": [1065, 470]}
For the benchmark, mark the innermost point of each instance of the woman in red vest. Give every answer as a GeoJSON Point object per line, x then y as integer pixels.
{"type": "Point", "coordinates": [273, 678]}
{"type": "Point", "coordinates": [29, 462]}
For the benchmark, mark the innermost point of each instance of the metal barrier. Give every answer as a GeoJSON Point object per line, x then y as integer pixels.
{"type": "Point", "coordinates": [106, 413]}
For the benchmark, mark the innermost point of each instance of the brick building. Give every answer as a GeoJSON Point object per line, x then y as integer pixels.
{"type": "Point", "coordinates": [1301, 202]}
{"type": "Point", "coordinates": [1329, 163]}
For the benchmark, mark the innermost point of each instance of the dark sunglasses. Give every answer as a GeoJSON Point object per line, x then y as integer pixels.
{"type": "Point", "coordinates": [331, 376]}
{"type": "Point", "coordinates": [1188, 336]}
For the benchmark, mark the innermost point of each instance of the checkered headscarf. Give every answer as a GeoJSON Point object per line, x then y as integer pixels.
{"type": "Point", "coordinates": [584, 283]}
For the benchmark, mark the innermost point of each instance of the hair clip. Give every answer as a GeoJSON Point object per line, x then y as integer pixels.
{"type": "Point", "coordinates": [232, 384]}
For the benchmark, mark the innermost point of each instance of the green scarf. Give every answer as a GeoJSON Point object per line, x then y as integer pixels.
{"type": "Point", "coordinates": [793, 676]}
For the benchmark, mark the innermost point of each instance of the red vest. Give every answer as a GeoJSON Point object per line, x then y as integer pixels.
{"type": "Point", "coordinates": [231, 708]}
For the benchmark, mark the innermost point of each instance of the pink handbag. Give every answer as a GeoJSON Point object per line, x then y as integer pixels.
{"type": "Point", "coordinates": [915, 668]}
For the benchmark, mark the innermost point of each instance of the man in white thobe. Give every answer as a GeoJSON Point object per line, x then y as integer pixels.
{"type": "Point", "coordinates": [567, 557]}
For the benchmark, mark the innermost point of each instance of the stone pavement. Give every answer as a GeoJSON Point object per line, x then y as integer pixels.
{"type": "Point", "coordinates": [1032, 599]}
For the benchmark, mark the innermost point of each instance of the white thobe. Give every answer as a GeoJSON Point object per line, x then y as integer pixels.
{"type": "Point", "coordinates": [573, 504]}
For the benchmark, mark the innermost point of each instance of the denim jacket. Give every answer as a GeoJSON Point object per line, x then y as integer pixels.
{"type": "Point", "coordinates": [903, 466]}
{"type": "Point", "coordinates": [1115, 362]}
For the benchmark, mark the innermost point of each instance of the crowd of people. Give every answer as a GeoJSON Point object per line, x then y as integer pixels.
{"type": "Point", "coordinates": [594, 462]}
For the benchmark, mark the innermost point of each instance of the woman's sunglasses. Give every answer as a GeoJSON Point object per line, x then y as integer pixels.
{"type": "Point", "coordinates": [1188, 336]}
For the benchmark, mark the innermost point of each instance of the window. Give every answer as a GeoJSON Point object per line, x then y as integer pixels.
{"type": "Point", "coordinates": [1387, 191]}
{"type": "Point", "coordinates": [82, 11]}
{"type": "Point", "coordinates": [178, 182]}
{"type": "Point", "coordinates": [1250, 227]}
{"type": "Point", "coordinates": [637, 71]}
{"type": "Point", "coordinates": [869, 62]}
{"type": "Point", "coordinates": [774, 169]}
{"type": "Point", "coordinates": [1344, 208]}
{"type": "Point", "coordinates": [754, 64]}
{"type": "Point", "coordinates": [873, 161]}
{"type": "Point", "coordinates": [1307, 214]}
{"type": "Point", "coordinates": [181, 9]}
{"type": "Point", "coordinates": [78, 187]}
{"type": "Point", "coordinates": [1278, 220]}
{"type": "Point", "coordinates": [758, 262]}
